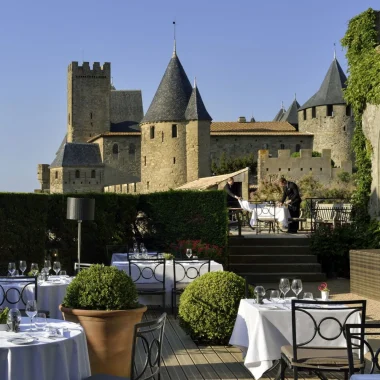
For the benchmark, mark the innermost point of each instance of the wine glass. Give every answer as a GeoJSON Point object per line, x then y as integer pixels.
{"type": "Point", "coordinates": [131, 253]}
{"type": "Point", "coordinates": [12, 268]}
{"type": "Point", "coordinates": [63, 272]}
{"type": "Point", "coordinates": [308, 296]}
{"type": "Point", "coordinates": [31, 310]}
{"type": "Point", "coordinates": [260, 293]}
{"type": "Point", "coordinates": [189, 253]}
{"type": "Point", "coordinates": [284, 286]}
{"type": "Point", "coordinates": [40, 321]}
{"type": "Point", "coordinates": [297, 286]}
{"type": "Point", "coordinates": [34, 269]}
{"type": "Point", "coordinates": [47, 266]}
{"type": "Point", "coordinates": [274, 296]}
{"type": "Point", "coordinates": [22, 267]}
{"type": "Point", "coordinates": [56, 267]}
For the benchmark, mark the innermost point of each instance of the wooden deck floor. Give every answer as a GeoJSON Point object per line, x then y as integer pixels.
{"type": "Point", "coordinates": [182, 359]}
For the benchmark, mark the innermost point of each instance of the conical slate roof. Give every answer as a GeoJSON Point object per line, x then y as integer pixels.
{"type": "Point", "coordinates": [331, 90]}
{"type": "Point", "coordinates": [77, 154]}
{"type": "Point", "coordinates": [196, 109]}
{"type": "Point", "coordinates": [291, 115]}
{"type": "Point", "coordinates": [279, 114]}
{"type": "Point", "coordinates": [172, 96]}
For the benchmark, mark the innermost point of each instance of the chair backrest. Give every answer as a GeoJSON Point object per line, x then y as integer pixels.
{"type": "Point", "coordinates": [80, 266]}
{"type": "Point", "coordinates": [358, 339]}
{"type": "Point", "coordinates": [147, 346]}
{"type": "Point", "coordinates": [147, 272]}
{"type": "Point", "coordinates": [266, 211]}
{"type": "Point", "coordinates": [318, 315]}
{"type": "Point", "coordinates": [13, 289]}
{"type": "Point", "coordinates": [185, 271]}
{"type": "Point", "coordinates": [324, 212]}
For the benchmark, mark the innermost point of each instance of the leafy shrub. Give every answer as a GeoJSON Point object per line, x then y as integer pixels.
{"type": "Point", "coordinates": [208, 306]}
{"type": "Point", "coordinates": [232, 164]}
{"type": "Point", "coordinates": [101, 288]}
{"type": "Point", "coordinates": [3, 315]}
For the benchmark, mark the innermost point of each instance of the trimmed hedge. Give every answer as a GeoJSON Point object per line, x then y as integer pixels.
{"type": "Point", "coordinates": [33, 226]}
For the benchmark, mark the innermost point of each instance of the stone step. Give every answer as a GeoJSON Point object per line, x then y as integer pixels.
{"type": "Point", "coordinates": [266, 250]}
{"type": "Point", "coordinates": [271, 259]}
{"type": "Point", "coordinates": [262, 278]}
{"type": "Point", "coordinates": [269, 241]}
{"type": "Point", "coordinates": [275, 268]}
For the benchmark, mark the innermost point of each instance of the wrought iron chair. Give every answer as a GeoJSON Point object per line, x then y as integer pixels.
{"type": "Point", "coordinates": [305, 356]}
{"type": "Point", "coordinates": [80, 266]}
{"type": "Point", "coordinates": [357, 340]}
{"type": "Point", "coordinates": [266, 217]}
{"type": "Point", "coordinates": [185, 273]}
{"type": "Point", "coordinates": [148, 276]}
{"type": "Point", "coordinates": [146, 351]}
{"type": "Point", "coordinates": [13, 291]}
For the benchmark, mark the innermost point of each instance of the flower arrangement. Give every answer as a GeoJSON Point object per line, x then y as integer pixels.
{"type": "Point", "coordinates": [3, 315]}
{"type": "Point", "coordinates": [168, 256]}
{"type": "Point", "coordinates": [323, 287]}
{"type": "Point", "coordinates": [199, 249]}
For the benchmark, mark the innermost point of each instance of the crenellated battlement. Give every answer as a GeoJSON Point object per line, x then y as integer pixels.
{"type": "Point", "coordinates": [86, 70]}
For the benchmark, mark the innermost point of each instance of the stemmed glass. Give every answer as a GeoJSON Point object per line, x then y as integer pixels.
{"type": "Point", "coordinates": [274, 296]}
{"type": "Point", "coordinates": [40, 321]}
{"type": "Point", "coordinates": [189, 253]}
{"type": "Point", "coordinates": [56, 267]}
{"type": "Point", "coordinates": [260, 293]}
{"type": "Point", "coordinates": [31, 310]}
{"type": "Point", "coordinates": [47, 266]}
{"type": "Point", "coordinates": [297, 286]}
{"type": "Point", "coordinates": [284, 286]}
{"type": "Point", "coordinates": [22, 267]}
{"type": "Point", "coordinates": [34, 269]}
{"type": "Point", "coordinates": [12, 268]}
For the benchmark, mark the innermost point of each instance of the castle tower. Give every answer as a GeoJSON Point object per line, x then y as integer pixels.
{"type": "Point", "coordinates": [327, 116]}
{"type": "Point", "coordinates": [280, 113]}
{"type": "Point", "coordinates": [88, 101]}
{"type": "Point", "coordinates": [197, 137]}
{"type": "Point", "coordinates": [163, 132]}
{"type": "Point", "coordinates": [291, 115]}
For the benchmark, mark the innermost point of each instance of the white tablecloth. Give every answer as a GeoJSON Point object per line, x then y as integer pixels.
{"type": "Point", "coordinates": [260, 332]}
{"type": "Point", "coordinates": [45, 359]}
{"type": "Point", "coordinates": [49, 295]}
{"type": "Point", "coordinates": [117, 257]}
{"type": "Point", "coordinates": [266, 213]}
{"type": "Point", "coordinates": [169, 275]}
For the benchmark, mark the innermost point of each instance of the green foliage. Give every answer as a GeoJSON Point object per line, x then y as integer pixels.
{"type": "Point", "coordinates": [101, 288]}
{"type": "Point", "coordinates": [229, 165]}
{"type": "Point", "coordinates": [344, 177]}
{"type": "Point", "coordinates": [4, 316]}
{"type": "Point", "coordinates": [313, 154]}
{"type": "Point", "coordinates": [168, 256]}
{"type": "Point", "coordinates": [363, 86]}
{"type": "Point", "coordinates": [208, 306]}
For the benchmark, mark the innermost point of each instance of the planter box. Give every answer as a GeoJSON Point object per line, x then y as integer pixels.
{"type": "Point", "coordinates": [365, 273]}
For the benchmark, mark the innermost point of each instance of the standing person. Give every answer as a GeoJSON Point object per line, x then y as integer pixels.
{"type": "Point", "coordinates": [231, 190]}
{"type": "Point", "coordinates": [290, 191]}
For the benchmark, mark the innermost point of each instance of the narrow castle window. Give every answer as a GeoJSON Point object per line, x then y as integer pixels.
{"type": "Point", "coordinates": [132, 149]}
{"type": "Point", "coordinates": [304, 114]}
{"type": "Point", "coordinates": [152, 132]}
{"type": "Point", "coordinates": [90, 115]}
{"type": "Point", "coordinates": [93, 173]}
{"type": "Point", "coordinates": [348, 111]}
{"type": "Point", "coordinates": [329, 110]}
{"type": "Point", "coordinates": [298, 147]}
{"type": "Point", "coordinates": [265, 146]}
{"type": "Point", "coordinates": [344, 128]}
{"type": "Point", "coordinates": [175, 130]}
{"type": "Point", "coordinates": [56, 174]}
{"type": "Point", "coordinates": [147, 185]}
{"type": "Point", "coordinates": [77, 174]}
{"type": "Point", "coordinates": [313, 112]}
{"type": "Point", "coordinates": [162, 136]}
{"type": "Point", "coordinates": [282, 146]}
{"type": "Point", "coordinates": [144, 160]}
{"type": "Point", "coordinates": [115, 151]}
{"type": "Point", "coordinates": [174, 160]}
{"type": "Point", "coordinates": [69, 119]}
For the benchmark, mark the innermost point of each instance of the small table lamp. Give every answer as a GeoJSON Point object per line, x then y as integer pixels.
{"type": "Point", "coordinates": [80, 209]}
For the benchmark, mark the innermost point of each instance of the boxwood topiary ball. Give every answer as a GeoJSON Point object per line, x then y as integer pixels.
{"type": "Point", "coordinates": [101, 288]}
{"type": "Point", "coordinates": [208, 306]}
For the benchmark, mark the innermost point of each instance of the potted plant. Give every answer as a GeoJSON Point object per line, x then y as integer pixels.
{"type": "Point", "coordinates": [104, 301]}
{"type": "Point", "coordinates": [325, 291]}
{"type": "Point", "coordinates": [4, 319]}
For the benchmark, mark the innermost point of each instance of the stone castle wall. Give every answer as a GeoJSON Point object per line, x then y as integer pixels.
{"type": "Point", "coordinates": [65, 180]}
{"type": "Point", "coordinates": [330, 132]}
{"type": "Point", "coordinates": [88, 100]}
{"type": "Point", "coordinates": [163, 157]}
{"type": "Point", "coordinates": [236, 146]}
{"type": "Point", "coordinates": [296, 167]}
{"type": "Point", "coordinates": [43, 176]}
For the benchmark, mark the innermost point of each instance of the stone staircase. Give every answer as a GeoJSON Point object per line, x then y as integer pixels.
{"type": "Point", "coordinates": [267, 259]}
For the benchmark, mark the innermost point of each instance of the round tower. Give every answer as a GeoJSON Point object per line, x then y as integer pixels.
{"type": "Point", "coordinates": [328, 117]}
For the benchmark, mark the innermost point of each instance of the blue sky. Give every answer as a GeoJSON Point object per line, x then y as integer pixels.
{"type": "Point", "coordinates": [247, 55]}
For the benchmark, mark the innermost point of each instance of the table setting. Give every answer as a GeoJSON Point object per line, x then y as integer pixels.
{"type": "Point", "coordinates": [263, 326]}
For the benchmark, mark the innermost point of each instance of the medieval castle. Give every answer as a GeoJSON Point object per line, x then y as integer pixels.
{"type": "Point", "coordinates": [110, 141]}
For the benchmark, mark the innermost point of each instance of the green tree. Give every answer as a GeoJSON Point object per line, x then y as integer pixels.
{"type": "Point", "coordinates": [229, 164]}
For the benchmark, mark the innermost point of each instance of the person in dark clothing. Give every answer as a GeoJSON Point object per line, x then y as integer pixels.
{"type": "Point", "coordinates": [290, 191]}
{"type": "Point", "coordinates": [231, 190]}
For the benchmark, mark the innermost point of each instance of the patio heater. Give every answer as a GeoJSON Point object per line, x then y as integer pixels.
{"type": "Point", "coordinates": [80, 209]}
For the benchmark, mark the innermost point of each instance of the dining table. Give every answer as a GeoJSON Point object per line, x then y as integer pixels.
{"type": "Point", "coordinates": [261, 330]}
{"type": "Point", "coordinates": [50, 294]}
{"type": "Point", "coordinates": [58, 352]}
{"type": "Point", "coordinates": [146, 266]}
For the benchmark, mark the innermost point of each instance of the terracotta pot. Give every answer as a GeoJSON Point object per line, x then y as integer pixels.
{"type": "Point", "coordinates": [109, 337]}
